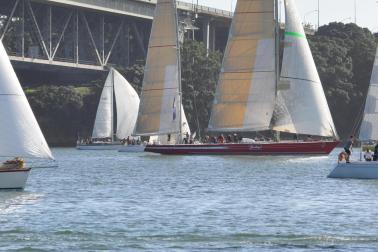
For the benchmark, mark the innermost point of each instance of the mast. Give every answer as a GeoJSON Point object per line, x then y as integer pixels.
{"type": "Point", "coordinates": [277, 43]}
{"type": "Point", "coordinates": [179, 72]}
{"type": "Point", "coordinates": [112, 107]}
{"type": "Point", "coordinates": [276, 56]}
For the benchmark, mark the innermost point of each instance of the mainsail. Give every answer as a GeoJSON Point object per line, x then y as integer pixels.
{"type": "Point", "coordinates": [369, 126]}
{"type": "Point", "coordinates": [103, 123]}
{"type": "Point", "coordinates": [159, 111]}
{"type": "Point", "coordinates": [20, 135]}
{"type": "Point", "coordinates": [245, 95]}
{"type": "Point", "coordinates": [127, 104]}
{"type": "Point", "coordinates": [301, 106]}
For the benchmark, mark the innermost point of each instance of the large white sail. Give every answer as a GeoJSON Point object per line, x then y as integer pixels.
{"type": "Point", "coordinates": [103, 123]}
{"type": "Point", "coordinates": [174, 138]}
{"type": "Point", "coordinates": [20, 135]}
{"type": "Point", "coordinates": [246, 90]}
{"type": "Point", "coordinates": [159, 111]}
{"type": "Point", "coordinates": [369, 126]}
{"type": "Point", "coordinates": [127, 103]}
{"type": "Point", "coordinates": [301, 106]}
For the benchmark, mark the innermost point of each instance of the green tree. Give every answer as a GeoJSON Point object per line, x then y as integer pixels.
{"type": "Point", "coordinates": [58, 111]}
{"type": "Point", "coordinates": [344, 55]}
{"type": "Point", "coordinates": [199, 73]}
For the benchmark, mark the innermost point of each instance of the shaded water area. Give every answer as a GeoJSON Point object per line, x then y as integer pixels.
{"type": "Point", "coordinates": [116, 201]}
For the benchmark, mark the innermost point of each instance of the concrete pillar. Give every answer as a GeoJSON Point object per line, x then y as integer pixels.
{"type": "Point", "coordinates": [206, 33]}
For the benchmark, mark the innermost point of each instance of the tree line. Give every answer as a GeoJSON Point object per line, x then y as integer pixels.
{"type": "Point", "coordinates": [343, 53]}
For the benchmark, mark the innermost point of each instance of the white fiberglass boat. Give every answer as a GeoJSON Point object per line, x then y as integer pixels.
{"type": "Point", "coordinates": [356, 170]}
{"type": "Point", "coordinates": [368, 133]}
{"type": "Point", "coordinates": [20, 135]}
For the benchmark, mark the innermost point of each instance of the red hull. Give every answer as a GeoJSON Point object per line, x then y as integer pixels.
{"type": "Point", "coordinates": [258, 149]}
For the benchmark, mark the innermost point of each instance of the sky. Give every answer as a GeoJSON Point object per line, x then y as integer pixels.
{"type": "Point", "coordinates": [330, 10]}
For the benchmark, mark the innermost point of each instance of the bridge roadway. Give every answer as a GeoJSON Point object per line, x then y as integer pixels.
{"type": "Point", "coordinates": [51, 22]}
{"type": "Point", "coordinates": [139, 8]}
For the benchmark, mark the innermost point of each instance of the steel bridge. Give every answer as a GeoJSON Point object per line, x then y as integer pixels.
{"type": "Point", "coordinates": [92, 35]}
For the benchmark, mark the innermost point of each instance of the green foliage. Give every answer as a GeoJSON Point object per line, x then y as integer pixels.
{"type": "Point", "coordinates": [134, 75]}
{"type": "Point", "coordinates": [59, 111]}
{"type": "Point", "coordinates": [344, 55]}
{"type": "Point", "coordinates": [199, 73]}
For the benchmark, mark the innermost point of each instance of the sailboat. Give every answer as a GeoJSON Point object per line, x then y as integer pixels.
{"type": "Point", "coordinates": [253, 95]}
{"type": "Point", "coordinates": [161, 114]}
{"type": "Point", "coordinates": [20, 135]}
{"type": "Point", "coordinates": [368, 133]}
{"type": "Point", "coordinates": [127, 103]}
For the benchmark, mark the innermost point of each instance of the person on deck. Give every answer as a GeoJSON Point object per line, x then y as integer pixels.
{"type": "Point", "coordinates": [236, 139]}
{"type": "Point", "coordinates": [368, 156]}
{"type": "Point", "coordinates": [221, 139]}
{"type": "Point", "coordinates": [229, 139]}
{"type": "Point", "coordinates": [375, 156]}
{"type": "Point", "coordinates": [348, 148]}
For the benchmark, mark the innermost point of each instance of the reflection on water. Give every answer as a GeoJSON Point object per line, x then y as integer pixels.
{"type": "Point", "coordinates": [12, 201]}
{"type": "Point", "coordinates": [126, 202]}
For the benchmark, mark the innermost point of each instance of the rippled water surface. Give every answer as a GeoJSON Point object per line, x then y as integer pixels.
{"type": "Point", "coordinates": [142, 202]}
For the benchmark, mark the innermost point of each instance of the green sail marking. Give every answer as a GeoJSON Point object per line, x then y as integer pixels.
{"type": "Point", "coordinates": [295, 34]}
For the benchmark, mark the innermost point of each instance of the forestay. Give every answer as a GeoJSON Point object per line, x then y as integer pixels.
{"type": "Point", "coordinates": [127, 104]}
{"type": "Point", "coordinates": [245, 95]}
{"type": "Point", "coordinates": [20, 135]}
{"type": "Point", "coordinates": [369, 126]}
{"type": "Point", "coordinates": [159, 111]}
{"type": "Point", "coordinates": [301, 103]}
{"type": "Point", "coordinates": [103, 122]}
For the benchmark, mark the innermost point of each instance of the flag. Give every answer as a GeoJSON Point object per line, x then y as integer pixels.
{"type": "Point", "coordinates": [174, 109]}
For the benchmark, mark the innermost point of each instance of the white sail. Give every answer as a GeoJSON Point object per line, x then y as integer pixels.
{"type": "Point", "coordinates": [174, 138]}
{"type": "Point", "coordinates": [103, 123]}
{"type": "Point", "coordinates": [185, 128]}
{"type": "Point", "coordinates": [160, 98]}
{"type": "Point", "coordinates": [301, 105]}
{"type": "Point", "coordinates": [369, 126]}
{"type": "Point", "coordinates": [20, 135]}
{"type": "Point", "coordinates": [127, 103]}
{"type": "Point", "coordinates": [246, 90]}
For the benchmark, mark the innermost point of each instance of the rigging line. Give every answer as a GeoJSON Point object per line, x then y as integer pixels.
{"type": "Point", "coordinates": [293, 78]}
{"type": "Point", "coordinates": [360, 115]}
{"type": "Point", "coordinates": [12, 95]}
{"type": "Point", "coordinates": [160, 46]}
{"type": "Point", "coordinates": [158, 89]}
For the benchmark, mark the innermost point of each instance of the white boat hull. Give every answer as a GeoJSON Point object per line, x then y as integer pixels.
{"type": "Point", "coordinates": [13, 178]}
{"type": "Point", "coordinates": [355, 170]}
{"type": "Point", "coordinates": [108, 146]}
{"type": "Point", "coordinates": [132, 148]}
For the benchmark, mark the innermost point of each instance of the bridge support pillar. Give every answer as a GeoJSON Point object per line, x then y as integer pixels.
{"type": "Point", "coordinates": [209, 34]}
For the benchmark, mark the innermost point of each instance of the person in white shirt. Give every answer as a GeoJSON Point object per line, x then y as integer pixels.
{"type": "Point", "coordinates": [368, 156]}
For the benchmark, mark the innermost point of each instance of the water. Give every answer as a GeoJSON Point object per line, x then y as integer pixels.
{"type": "Point", "coordinates": [142, 202]}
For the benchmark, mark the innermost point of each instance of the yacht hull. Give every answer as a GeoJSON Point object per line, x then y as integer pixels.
{"type": "Point", "coordinates": [257, 149]}
{"type": "Point", "coordinates": [14, 178]}
{"type": "Point", "coordinates": [355, 170]}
